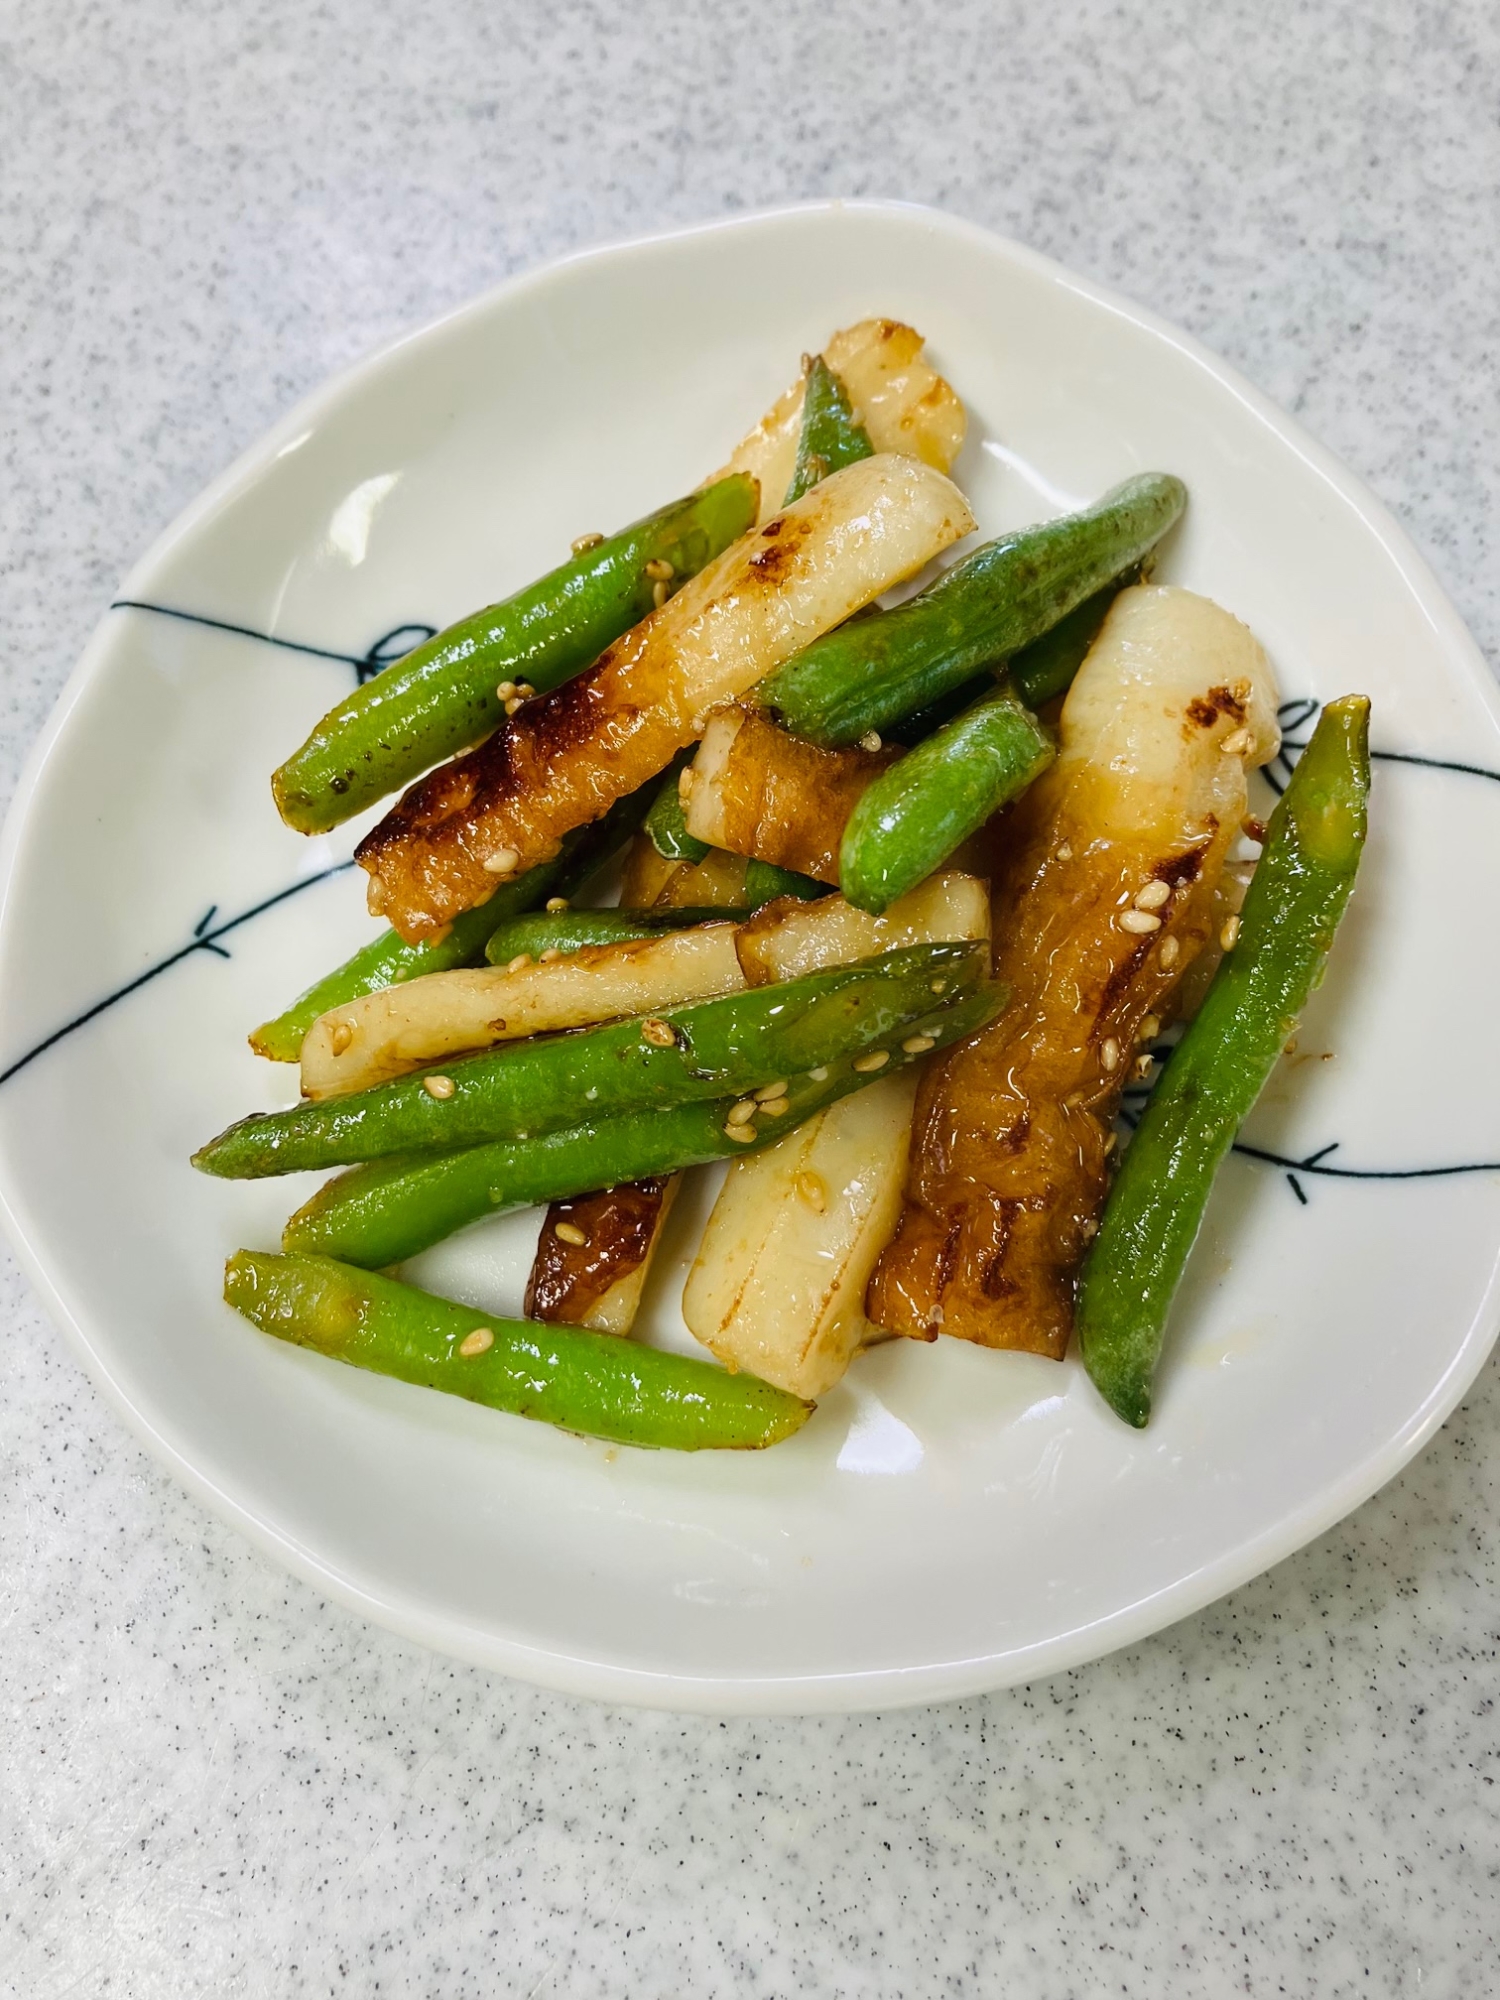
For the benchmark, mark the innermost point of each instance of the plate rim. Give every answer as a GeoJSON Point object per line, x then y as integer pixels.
{"type": "Point", "coordinates": [847, 1691]}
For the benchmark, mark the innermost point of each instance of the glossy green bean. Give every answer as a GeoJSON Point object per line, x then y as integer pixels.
{"type": "Point", "coordinates": [868, 674]}
{"type": "Point", "coordinates": [917, 811]}
{"type": "Point", "coordinates": [830, 437]}
{"type": "Point", "coordinates": [665, 822]}
{"type": "Point", "coordinates": [570, 930]}
{"type": "Point", "coordinates": [381, 1213]}
{"type": "Point", "coordinates": [709, 1049]}
{"type": "Point", "coordinates": [764, 882]}
{"type": "Point", "coordinates": [1292, 909]}
{"type": "Point", "coordinates": [442, 698]}
{"type": "Point", "coordinates": [592, 1383]}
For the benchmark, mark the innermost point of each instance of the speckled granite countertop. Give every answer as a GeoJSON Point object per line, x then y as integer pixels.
{"type": "Point", "coordinates": [213, 1782]}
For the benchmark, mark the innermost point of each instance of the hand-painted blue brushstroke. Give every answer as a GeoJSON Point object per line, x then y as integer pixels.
{"type": "Point", "coordinates": [204, 939]}
{"type": "Point", "coordinates": [390, 647]}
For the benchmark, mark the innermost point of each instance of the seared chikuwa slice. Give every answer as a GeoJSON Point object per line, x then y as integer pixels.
{"type": "Point", "coordinates": [594, 1252]}
{"type": "Point", "coordinates": [563, 758]}
{"type": "Point", "coordinates": [756, 790]}
{"type": "Point", "coordinates": [403, 1028]}
{"type": "Point", "coordinates": [778, 1287]}
{"type": "Point", "coordinates": [1107, 897]}
{"type": "Point", "coordinates": [903, 403]}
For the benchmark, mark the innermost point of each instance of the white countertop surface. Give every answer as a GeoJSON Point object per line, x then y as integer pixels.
{"type": "Point", "coordinates": [212, 1781]}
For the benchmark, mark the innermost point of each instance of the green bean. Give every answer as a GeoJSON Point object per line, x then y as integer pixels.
{"type": "Point", "coordinates": [709, 1049]}
{"type": "Point", "coordinates": [916, 812]}
{"type": "Point", "coordinates": [1292, 909]}
{"type": "Point", "coordinates": [442, 698]}
{"type": "Point", "coordinates": [1045, 668]}
{"type": "Point", "coordinates": [387, 960]}
{"type": "Point", "coordinates": [665, 822]}
{"type": "Point", "coordinates": [569, 930]}
{"type": "Point", "coordinates": [869, 673]}
{"type": "Point", "coordinates": [593, 1383]}
{"type": "Point", "coordinates": [389, 1210]}
{"type": "Point", "coordinates": [830, 437]}
{"type": "Point", "coordinates": [764, 882]}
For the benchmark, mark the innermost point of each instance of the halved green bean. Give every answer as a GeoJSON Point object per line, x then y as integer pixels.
{"type": "Point", "coordinates": [764, 882]}
{"type": "Point", "coordinates": [442, 697]}
{"type": "Point", "coordinates": [387, 960]}
{"type": "Point", "coordinates": [389, 1210]}
{"type": "Point", "coordinates": [830, 437]}
{"type": "Point", "coordinates": [593, 1383]}
{"type": "Point", "coordinates": [570, 930]}
{"type": "Point", "coordinates": [665, 822]}
{"type": "Point", "coordinates": [1298, 894]}
{"type": "Point", "coordinates": [869, 673]}
{"type": "Point", "coordinates": [916, 812]}
{"type": "Point", "coordinates": [709, 1049]}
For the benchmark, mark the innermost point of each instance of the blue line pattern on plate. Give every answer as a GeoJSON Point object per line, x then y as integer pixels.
{"type": "Point", "coordinates": [402, 639]}
{"type": "Point", "coordinates": [390, 647]}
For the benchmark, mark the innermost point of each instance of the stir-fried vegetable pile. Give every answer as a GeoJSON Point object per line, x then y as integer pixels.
{"type": "Point", "coordinates": [907, 898]}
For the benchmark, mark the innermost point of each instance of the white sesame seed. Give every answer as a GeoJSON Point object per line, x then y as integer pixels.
{"type": "Point", "coordinates": [769, 1090]}
{"type": "Point", "coordinates": [549, 955]}
{"type": "Point", "coordinates": [660, 570]}
{"type": "Point", "coordinates": [744, 1133]}
{"type": "Point", "coordinates": [939, 985]}
{"type": "Point", "coordinates": [743, 1112]}
{"type": "Point", "coordinates": [525, 690]}
{"type": "Point", "coordinates": [477, 1342]}
{"type": "Point", "coordinates": [1150, 1027]}
{"type": "Point", "coordinates": [506, 691]}
{"type": "Point", "coordinates": [1153, 895]}
{"type": "Point", "coordinates": [438, 1086]}
{"type": "Point", "coordinates": [870, 1061]}
{"type": "Point", "coordinates": [569, 1232]}
{"type": "Point", "coordinates": [658, 595]}
{"type": "Point", "coordinates": [774, 1106]}
{"type": "Point", "coordinates": [340, 1035]}
{"type": "Point", "coordinates": [554, 905]}
{"type": "Point", "coordinates": [1111, 1140]}
{"type": "Point", "coordinates": [1253, 827]}
{"type": "Point", "coordinates": [513, 704]}
{"type": "Point", "coordinates": [658, 1033]}
{"type": "Point", "coordinates": [1139, 922]}
{"type": "Point", "coordinates": [1109, 1054]}
{"type": "Point", "coordinates": [917, 1045]}
{"type": "Point", "coordinates": [685, 783]}
{"type": "Point", "coordinates": [1144, 1065]}
{"type": "Point", "coordinates": [583, 543]}
{"type": "Point", "coordinates": [1228, 933]}
{"type": "Point", "coordinates": [870, 740]}
{"type": "Point", "coordinates": [1170, 947]}
{"type": "Point", "coordinates": [520, 962]}
{"type": "Point", "coordinates": [1065, 853]}
{"type": "Point", "coordinates": [813, 1190]}
{"type": "Point", "coordinates": [1089, 1229]}
{"type": "Point", "coordinates": [1239, 744]}
{"type": "Point", "coordinates": [819, 1075]}
{"type": "Point", "coordinates": [504, 861]}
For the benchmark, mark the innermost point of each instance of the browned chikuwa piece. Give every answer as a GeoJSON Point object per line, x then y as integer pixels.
{"type": "Point", "coordinates": [561, 760]}
{"type": "Point", "coordinates": [593, 1253]}
{"type": "Point", "coordinates": [1106, 897]}
{"type": "Point", "coordinates": [758, 790]}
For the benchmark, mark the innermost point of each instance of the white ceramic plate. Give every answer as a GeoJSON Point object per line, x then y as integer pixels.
{"type": "Point", "coordinates": [951, 1520]}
